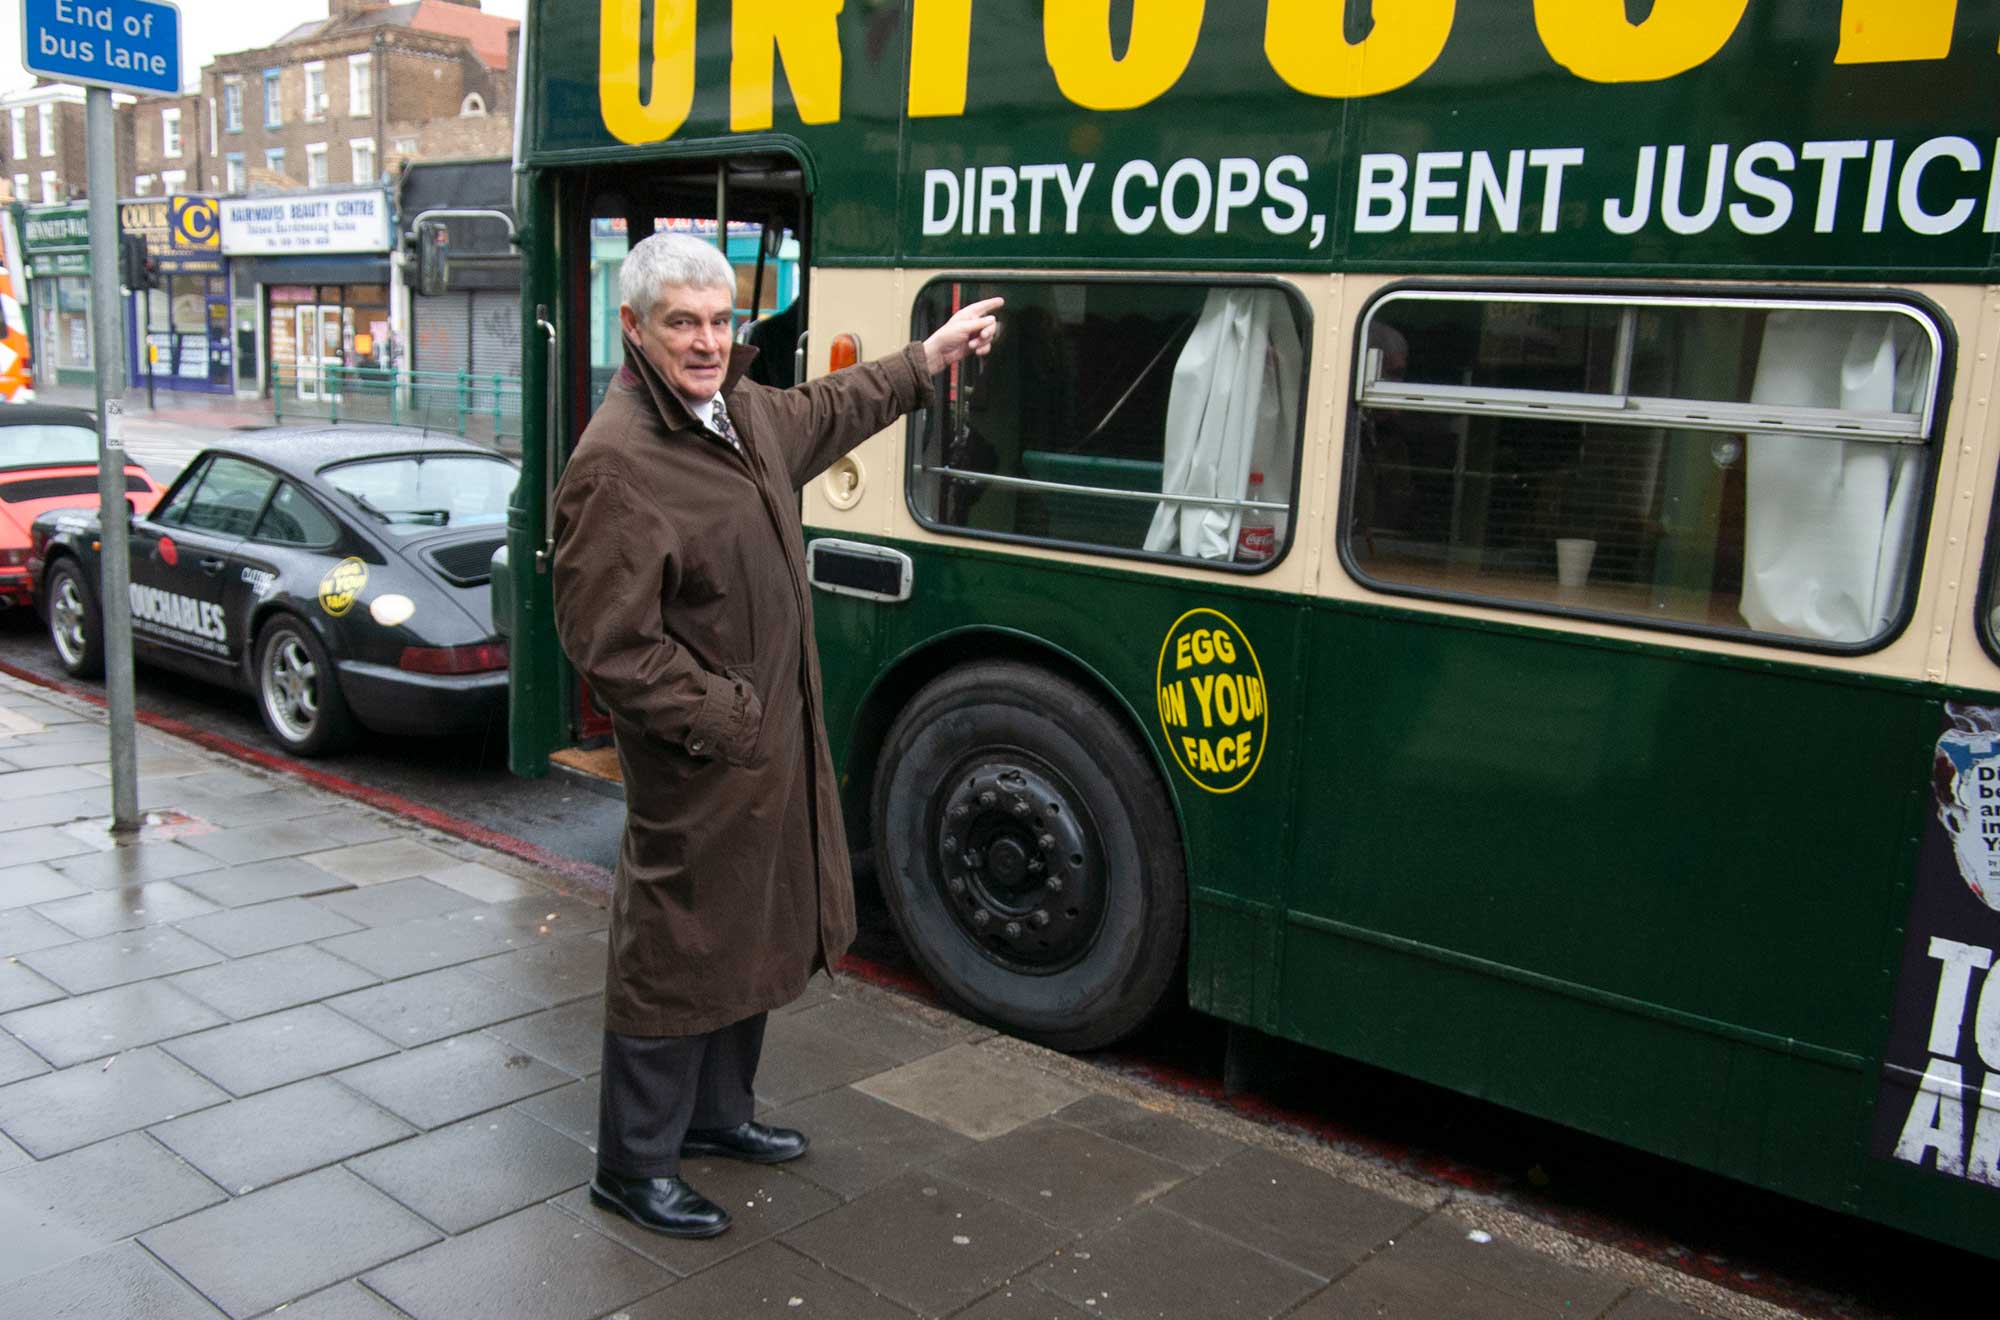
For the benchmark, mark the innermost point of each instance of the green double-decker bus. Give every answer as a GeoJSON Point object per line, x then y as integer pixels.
{"type": "Point", "coordinates": [1474, 549]}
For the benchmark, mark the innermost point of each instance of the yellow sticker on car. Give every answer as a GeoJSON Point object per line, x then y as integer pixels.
{"type": "Point", "coordinates": [1212, 699]}
{"type": "Point", "coordinates": [342, 586]}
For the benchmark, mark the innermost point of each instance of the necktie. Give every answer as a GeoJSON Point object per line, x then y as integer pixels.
{"type": "Point", "coordinates": [723, 426]}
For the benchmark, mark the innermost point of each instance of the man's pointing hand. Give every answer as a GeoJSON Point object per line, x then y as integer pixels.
{"type": "Point", "coordinates": [970, 330]}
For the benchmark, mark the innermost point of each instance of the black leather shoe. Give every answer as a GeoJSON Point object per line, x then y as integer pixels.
{"type": "Point", "coordinates": [754, 1142]}
{"type": "Point", "coordinates": [660, 1205]}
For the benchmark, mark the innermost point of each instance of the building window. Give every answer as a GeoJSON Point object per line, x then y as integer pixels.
{"type": "Point", "coordinates": [316, 165]}
{"type": "Point", "coordinates": [170, 132]}
{"type": "Point", "coordinates": [403, 146]}
{"type": "Point", "coordinates": [49, 193]}
{"type": "Point", "coordinates": [235, 177]}
{"type": "Point", "coordinates": [315, 91]}
{"type": "Point", "coordinates": [232, 105]}
{"type": "Point", "coordinates": [47, 115]}
{"type": "Point", "coordinates": [360, 84]}
{"type": "Point", "coordinates": [472, 107]}
{"type": "Point", "coordinates": [21, 188]}
{"type": "Point", "coordinates": [1733, 465]}
{"type": "Point", "coordinates": [142, 185]}
{"type": "Point", "coordinates": [173, 182]}
{"type": "Point", "coordinates": [20, 133]}
{"type": "Point", "coordinates": [274, 103]}
{"type": "Point", "coordinates": [274, 159]}
{"type": "Point", "coordinates": [1156, 418]}
{"type": "Point", "coordinates": [362, 154]}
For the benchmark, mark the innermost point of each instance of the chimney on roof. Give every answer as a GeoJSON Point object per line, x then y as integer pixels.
{"type": "Point", "coordinates": [337, 9]}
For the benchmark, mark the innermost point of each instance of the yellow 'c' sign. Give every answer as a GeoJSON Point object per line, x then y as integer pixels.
{"type": "Point", "coordinates": [1212, 700]}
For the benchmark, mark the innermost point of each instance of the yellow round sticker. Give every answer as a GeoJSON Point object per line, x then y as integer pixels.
{"type": "Point", "coordinates": [1212, 700]}
{"type": "Point", "coordinates": [342, 586]}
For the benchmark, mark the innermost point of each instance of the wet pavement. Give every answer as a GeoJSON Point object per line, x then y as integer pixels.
{"type": "Point", "coordinates": [284, 1052]}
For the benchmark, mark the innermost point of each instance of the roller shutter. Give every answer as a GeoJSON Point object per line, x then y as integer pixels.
{"type": "Point", "coordinates": [443, 332]}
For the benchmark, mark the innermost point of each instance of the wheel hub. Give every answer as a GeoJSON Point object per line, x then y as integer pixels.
{"type": "Point", "coordinates": [1023, 875]}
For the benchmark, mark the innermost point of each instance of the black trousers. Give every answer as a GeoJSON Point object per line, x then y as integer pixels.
{"type": "Point", "coordinates": [655, 1088]}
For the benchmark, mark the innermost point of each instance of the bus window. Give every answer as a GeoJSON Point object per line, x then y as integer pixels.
{"type": "Point", "coordinates": [1147, 418]}
{"type": "Point", "coordinates": [1735, 465]}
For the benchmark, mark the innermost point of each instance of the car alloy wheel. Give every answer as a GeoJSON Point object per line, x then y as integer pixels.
{"type": "Point", "coordinates": [297, 690]}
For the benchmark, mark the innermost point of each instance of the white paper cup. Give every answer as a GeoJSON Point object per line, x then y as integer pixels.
{"type": "Point", "coordinates": [1573, 556]}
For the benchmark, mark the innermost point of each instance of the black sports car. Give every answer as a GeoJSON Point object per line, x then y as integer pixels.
{"type": "Point", "coordinates": [338, 574]}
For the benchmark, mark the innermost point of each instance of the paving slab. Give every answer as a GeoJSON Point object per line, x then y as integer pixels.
{"type": "Point", "coordinates": [1154, 1264]}
{"type": "Point", "coordinates": [971, 1091]}
{"type": "Point", "coordinates": [546, 916]}
{"type": "Point", "coordinates": [35, 882]}
{"type": "Point", "coordinates": [263, 841]}
{"type": "Point", "coordinates": [423, 945]}
{"type": "Point", "coordinates": [768, 1280]}
{"type": "Point", "coordinates": [1293, 1211]}
{"type": "Point", "coordinates": [108, 1191]}
{"type": "Point", "coordinates": [73, 1107]}
{"type": "Point", "coordinates": [389, 859]}
{"type": "Point", "coordinates": [347, 824]}
{"type": "Point", "coordinates": [1436, 1269]}
{"type": "Point", "coordinates": [21, 986]}
{"type": "Point", "coordinates": [471, 1173]}
{"type": "Point", "coordinates": [553, 971]}
{"type": "Point", "coordinates": [18, 1061]}
{"type": "Point", "coordinates": [268, 982]}
{"type": "Point", "coordinates": [804, 1056]}
{"type": "Point", "coordinates": [260, 1053]}
{"type": "Point", "coordinates": [394, 901]}
{"type": "Point", "coordinates": [23, 930]}
{"type": "Point", "coordinates": [570, 1037]}
{"type": "Point", "coordinates": [927, 1243]}
{"type": "Point", "coordinates": [127, 907]}
{"type": "Point", "coordinates": [84, 1027]}
{"type": "Point", "coordinates": [278, 1134]}
{"type": "Point", "coordinates": [452, 1079]}
{"type": "Point", "coordinates": [261, 882]}
{"type": "Point", "coordinates": [133, 864]}
{"type": "Point", "coordinates": [432, 1005]}
{"type": "Point", "coordinates": [132, 955]}
{"type": "Point", "coordinates": [1151, 1130]}
{"type": "Point", "coordinates": [488, 885]}
{"type": "Point", "coordinates": [287, 1241]}
{"type": "Point", "coordinates": [118, 1281]}
{"type": "Point", "coordinates": [570, 1110]}
{"type": "Point", "coordinates": [261, 927]}
{"type": "Point", "coordinates": [1066, 1175]}
{"type": "Point", "coordinates": [1022, 1301]}
{"type": "Point", "coordinates": [762, 1200]}
{"type": "Point", "coordinates": [349, 1301]}
{"type": "Point", "coordinates": [901, 1037]}
{"type": "Point", "coordinates": [538, 1264]}
{"type": "Point", "coordinates": [860, 1143]}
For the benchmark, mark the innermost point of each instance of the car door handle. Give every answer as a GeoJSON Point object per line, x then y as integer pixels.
{"type": "Point", "coordinates": [211, 564]}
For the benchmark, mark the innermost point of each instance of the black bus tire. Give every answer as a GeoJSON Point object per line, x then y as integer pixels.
{"type": "Point", "coordinates": [76, 624]}
{"type": "Point", "coordinates": [298, 692]}
{"type": "Point", "coordinates": [1007, 790]}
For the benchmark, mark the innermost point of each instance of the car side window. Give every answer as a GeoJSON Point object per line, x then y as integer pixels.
{"type": "Point", "coordinates": [175, 510]}
{"type": "Point", "coordinates": [232, 493]}
{"type": "Point", "coordinates": [292, 518]}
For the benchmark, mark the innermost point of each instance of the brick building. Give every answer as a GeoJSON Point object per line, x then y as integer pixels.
{"type": "Point", "coordinates": [42, 142]}
{"type": "Point", "coordinates": [339, 100]}
{"type": "Point", "coordinates": [167, 146]}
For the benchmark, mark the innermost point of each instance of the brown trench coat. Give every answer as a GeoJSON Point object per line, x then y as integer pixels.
{"type": "Point", "coordinates": [681, 597]}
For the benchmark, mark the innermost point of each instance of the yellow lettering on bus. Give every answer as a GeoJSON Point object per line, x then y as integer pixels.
{"type": "Point", "coordinates": [1886, 31]}
{"type": "Point", "coordinates": [1076, 35]}
{"type": "Point", "coordinates": [940, 52]}
{"type": "Point", "coordinates": [1595, 41]}
{"type": "Point", "coordinates": [1306, 46]}
{"type": "Point", "coordinates": [803, 33]}
{"type": "Point", "coordinates": [626, 117]}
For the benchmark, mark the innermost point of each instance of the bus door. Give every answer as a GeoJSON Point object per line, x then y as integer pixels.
{"type": "Point", "coordinates": [754, 207]}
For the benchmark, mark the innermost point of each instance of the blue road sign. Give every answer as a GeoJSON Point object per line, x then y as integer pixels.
{"type": "Point", "coordinates": [130, 45]}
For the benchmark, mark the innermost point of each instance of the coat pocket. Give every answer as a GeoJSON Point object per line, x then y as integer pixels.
{"type": "Point", "coordinates": [739, 745]}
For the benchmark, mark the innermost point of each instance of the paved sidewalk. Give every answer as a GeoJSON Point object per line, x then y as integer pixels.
{"type": "Point", "coordinates": [283, 1052]}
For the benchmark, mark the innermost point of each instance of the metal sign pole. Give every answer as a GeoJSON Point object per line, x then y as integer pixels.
{"type": "Point", "coordinates": [107, 329]}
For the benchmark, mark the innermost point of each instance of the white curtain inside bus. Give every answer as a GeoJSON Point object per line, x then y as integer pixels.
{"type": "Point", "coordinates": [1233, 409]}
{"type": "Point", "coordinates": [1828, 523]}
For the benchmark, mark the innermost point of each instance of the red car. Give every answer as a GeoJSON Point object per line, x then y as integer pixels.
{"type": "Point", "coordinates": [48, 460]}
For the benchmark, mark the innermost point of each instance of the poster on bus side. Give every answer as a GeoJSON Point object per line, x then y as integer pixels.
{"type": "Point", "coordinates": [1939, 1104]}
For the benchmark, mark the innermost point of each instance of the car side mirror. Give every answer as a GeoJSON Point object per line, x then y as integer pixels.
{"type": "Point", "coordinates": [131, 508]}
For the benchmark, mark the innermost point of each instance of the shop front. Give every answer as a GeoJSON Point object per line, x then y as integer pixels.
{"type": "Point", "coordinates": [177, 333]}
{"type": "Point", "coordinates": [313, 272]}
{"type": "Point", "coordinates": [56, 240]}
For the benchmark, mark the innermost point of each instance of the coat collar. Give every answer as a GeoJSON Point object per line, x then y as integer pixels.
{"type": "Point", "coordinates": [668, 404]}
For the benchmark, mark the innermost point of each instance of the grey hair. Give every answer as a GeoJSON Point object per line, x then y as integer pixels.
{"type": "Point", "coordinates": [667, 260]}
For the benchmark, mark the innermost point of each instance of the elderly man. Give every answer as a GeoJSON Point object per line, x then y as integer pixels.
{"type": "Point", "coordinates": [681, 597]}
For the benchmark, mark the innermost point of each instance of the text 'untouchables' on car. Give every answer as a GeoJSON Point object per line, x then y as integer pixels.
{"type": "Point", "coordinates": [341, 575]}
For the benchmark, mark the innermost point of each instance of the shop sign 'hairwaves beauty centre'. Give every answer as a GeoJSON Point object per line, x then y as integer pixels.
{"type": "Point", "coordinates": [298, 224]}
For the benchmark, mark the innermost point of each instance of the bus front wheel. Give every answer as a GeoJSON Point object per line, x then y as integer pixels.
{"type": "Point", "coordinates": [1029, 855]}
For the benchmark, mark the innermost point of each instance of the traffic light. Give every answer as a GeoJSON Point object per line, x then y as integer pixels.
{"type": "Point", "coordinates": [433, 258]}
{"type": "Point", "coordinates": [137, 269]}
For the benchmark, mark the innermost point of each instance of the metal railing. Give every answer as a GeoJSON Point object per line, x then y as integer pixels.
{"type": "Point", "coordinates": [478, 405]}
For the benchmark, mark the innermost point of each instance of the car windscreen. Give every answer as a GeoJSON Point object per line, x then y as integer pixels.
{"type": "Point", "coordinates": [45, 444]}
{"type": "Point", "coordinates": [411, 493]}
